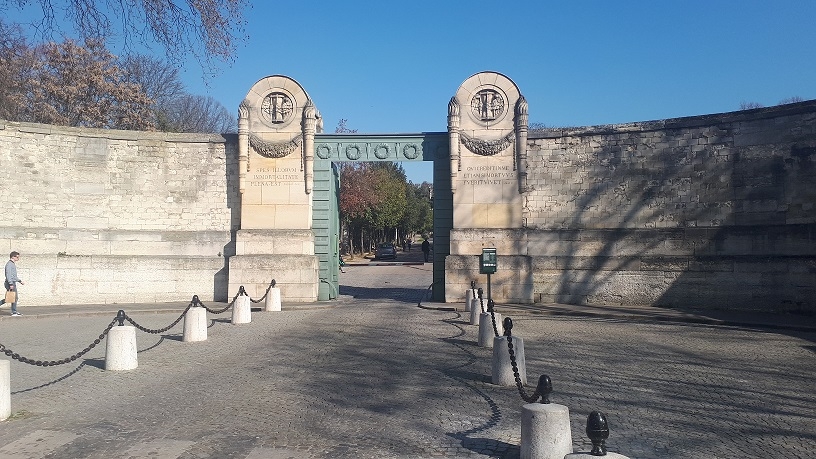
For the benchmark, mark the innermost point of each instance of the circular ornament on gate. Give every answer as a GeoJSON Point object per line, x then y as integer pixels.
{"type": "Point", "coordinates": [381, 151]}
{"type": "Point", "coordinates": [410, 151]}
{"type": "Point", "coordinates": [277, 108]}
{"type": "Point", "coordinates": [353, 152]}
{"type": "Point", "coordinates": [488, 105]}
{"type": "Point", "coordinates": [323, 152]}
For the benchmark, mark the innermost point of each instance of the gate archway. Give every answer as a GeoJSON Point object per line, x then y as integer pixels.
{"type": "Point", "coordinates": [335, 148]}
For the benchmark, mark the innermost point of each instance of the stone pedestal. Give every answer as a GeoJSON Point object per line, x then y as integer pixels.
{"type": "Point", "coordinates": [486, 332]}
{"type": "Point", "coordinates": [590, 456]}
{"type": "Point", "coordinates": [195, 325]}
{"type": "Point", "coordinates": [241, 310]}
{"type": "Point", "coordinates": [120, 352]}
{"type": "Point", "coordinates": [501, 369]}
{"type": "Point", "coordinates": [5, 390]}
{"type": "Point", "coordinates": [545, 431]}
{"type": "Point", "coordinates": [273, 300]}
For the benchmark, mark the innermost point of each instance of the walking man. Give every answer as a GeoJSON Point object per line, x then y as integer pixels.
{"type": "Point", "coordinates": [426, 249]}
{"type": "Point", "coordinates": [12, 280]}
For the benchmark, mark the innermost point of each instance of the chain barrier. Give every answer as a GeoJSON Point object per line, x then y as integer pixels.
{"type": "Point", "coordinates": [271, 284]}
{"type": "Point", "coordinates": [544, 387]}
{"type": "Point", "coordinates": [51, 363]}
{"type": "Point", "coordinates": [122, 316]}
{"type": "Point", "coordinates": [219, 311]}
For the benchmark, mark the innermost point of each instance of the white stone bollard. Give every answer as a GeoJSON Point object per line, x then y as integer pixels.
{"type": "Point", "coordinates": [195, 325]}
{"type": "Point", "coordinates": [120, 351]}
{"type": "Point", "coordinates": [5, 390]}
{"type": "Point", "coordinates": [608, 455]}
{"type": "Point", "coordinates": [486, 332]}
{"type": "Point", "coordinates": [273, 300]}
{"type": "Point", "coordinates": [501, 369]}
{"type": "Point", "coordinates": [475, 311]}
{"type": "Point", "coordinates": [468, 299]}
{"type": "Point", "coordinates": [241, 310]}
{"type": "Point", "coordinates": [545, 431]}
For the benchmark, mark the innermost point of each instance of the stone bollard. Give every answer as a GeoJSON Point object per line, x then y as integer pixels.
{"type": "Point", "coordinates": [486, 332]}
{"type": "Point", "coordinates": [121, 349]}
{"type": "Point", "coordinates": [476, 308]}
{"type": "Point", "coordinates": [195, 324]}
{"type": "Point", "coordinates": [598, 431]}
{"type": "Point", "coordinates": [273, 299]}
{"type": "Point", "coordinates": [468, 299]}
{"type": "Point", "coordinates": [5, 390]}
{"type": "Point", "coordinates": [501, 366]}
{"type": "Point", "coordinates": [241, 310]}
{"type": "Point", "coordinates": [545, 431]}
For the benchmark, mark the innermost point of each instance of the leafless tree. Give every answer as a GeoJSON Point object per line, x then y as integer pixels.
{"type": "Point", "coordinates": [750, 105]}
{"type": "Point", "coordinates": [207, 29]}
{"type": "Point", "coordinates": [791, 100]}
{"type": "Point", "coordinates": [190, 113]}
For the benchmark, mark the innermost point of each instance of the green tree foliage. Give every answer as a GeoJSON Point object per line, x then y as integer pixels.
{"type": "Point", "coordinates": [378, 204]}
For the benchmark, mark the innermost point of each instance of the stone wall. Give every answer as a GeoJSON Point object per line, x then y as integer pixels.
{"type": "Point", "coordinates": [713, 211]}
{"type": "Point", "coordinates": [103, 216]}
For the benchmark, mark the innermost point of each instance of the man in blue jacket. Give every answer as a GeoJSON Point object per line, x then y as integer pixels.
{"type": "Point", "coordinates": [12, 280]}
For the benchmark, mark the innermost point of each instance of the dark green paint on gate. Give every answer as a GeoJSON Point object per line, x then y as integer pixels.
{"type": "Point", "coordinates": [331, 148]}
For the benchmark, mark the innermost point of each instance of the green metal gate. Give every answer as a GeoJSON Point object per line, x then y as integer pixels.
{"type": "Point", "coordinates": [332, 148]}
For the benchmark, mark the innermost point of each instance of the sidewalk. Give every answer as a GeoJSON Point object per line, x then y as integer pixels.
{"type": "Point", "coordinates": [781, 321]}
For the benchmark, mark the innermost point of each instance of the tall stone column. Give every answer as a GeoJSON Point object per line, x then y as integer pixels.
{"type": "Point", "coordinates": [453, 134]}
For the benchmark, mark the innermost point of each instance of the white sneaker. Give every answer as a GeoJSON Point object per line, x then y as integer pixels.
{"type": "Point", "coordinates": [16, 314]}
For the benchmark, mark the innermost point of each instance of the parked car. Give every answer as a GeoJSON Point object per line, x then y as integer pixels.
{"type": "Point", "coordinates": [385, 250]}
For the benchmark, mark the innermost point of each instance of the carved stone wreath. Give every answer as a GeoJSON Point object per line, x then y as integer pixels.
{"type": "Point", "coordinates": [324, 152]}
{"type": "Point", "coordinates": [410, 151]}
{"type": "Point", "coordinates": [353, 152]}
{"type": "Point", "coordinates": [381, 151]}
{"type": "Point", "coordinates": [274, 149]}
{"type": "Point", "coordinates": [487, 147]}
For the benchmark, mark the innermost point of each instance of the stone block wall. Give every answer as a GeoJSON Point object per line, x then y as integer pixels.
{"type": "Point", "coordinates": [103, 216]}
{"type": "Point", "coordinates": [714, 211]}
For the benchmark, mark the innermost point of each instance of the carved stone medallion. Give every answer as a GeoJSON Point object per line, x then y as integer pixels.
{"type": "Point", "coordinates": [277, 107]}
{"type": "Point", "coordinates": [487, 105]}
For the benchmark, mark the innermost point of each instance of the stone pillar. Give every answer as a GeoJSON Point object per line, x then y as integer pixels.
{"type": "Point", "coordinates": [545, 431]}
{"type": "Point", "coordinates": [241, 310]}
{"type": "Point", "coordinates": [521, 142]}
{"type": "Point", "coordinates": [501, 369]}
{"type": "Point", "coordinates": [5, 390]}
{"type": "Point", "coordinates": [486, 332]}
{"type": "Point", "coordinates": [453, 137]}
{"type": "Point", "coordinates": [121, 349]}
{"type": "Point", "coordinates": [273, 300]}
{"type": "Point", "coordinates": [195, 325]}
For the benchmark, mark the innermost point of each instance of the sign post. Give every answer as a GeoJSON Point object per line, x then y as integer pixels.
{"type": "Point", "coordinates": [487, 265]}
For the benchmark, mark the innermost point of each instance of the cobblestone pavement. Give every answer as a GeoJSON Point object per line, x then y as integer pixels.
{"type": "Point", "coordinates": [377, 377]}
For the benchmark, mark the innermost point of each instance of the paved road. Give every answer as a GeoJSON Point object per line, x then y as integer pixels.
{"type": "Point", "coordinates": [377, 377]}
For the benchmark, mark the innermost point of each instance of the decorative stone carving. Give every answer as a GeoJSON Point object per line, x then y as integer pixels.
{"type": "Point", "coordinates": [276, 107]}
{"type": "Point", "coordinates": [453, 140]}
{"type": "Point", "coordinates": [274, 149]}
{"type": "Point", "coordinates": [381, 151]}
{"type": "Point", "coordinates": [410, 151]}
{"type": "Point", "coordinates": [487, 105]}
{"type": "Point", "coordinates": [323, 152]}
{"type": "Point", "coordinates": [487, 147]}
{"type": "Point", "coordinates": [353, 152]}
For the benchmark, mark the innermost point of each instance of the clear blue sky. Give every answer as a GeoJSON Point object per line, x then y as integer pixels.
{"type": "Point", "coordinates": [391, 67]}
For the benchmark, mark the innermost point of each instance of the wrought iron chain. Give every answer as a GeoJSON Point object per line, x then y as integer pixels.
{"type": "Point", "coordinates": [51, 363]}
{"type": "Point", "coordinates": [217, 311]}
{"type": "Point", "coordinates": [519, 385]}
{"type": "Point", "coordinates": [271, 284]}
{"type": "Point", "coordinates": [490, 309]}
{"type": "Point", "coordinates": [159, 330]}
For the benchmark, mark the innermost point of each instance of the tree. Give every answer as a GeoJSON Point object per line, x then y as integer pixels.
{"type": "Point", "coordinates": [342, 128]}
{"type": "Point", "coordinates": [16, 63]}
{"type": "Point", "coordinates": [791, 100]}
{"type": "Point", "coordinates": [207, 29]}
{"type": "Point", "coordinates": [72, 85]}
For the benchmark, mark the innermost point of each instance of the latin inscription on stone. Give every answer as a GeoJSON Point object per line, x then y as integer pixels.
{"type": "Point", "coordinates": [274, 176]}
{"type": "Point", "coordinates": [488, 175]}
